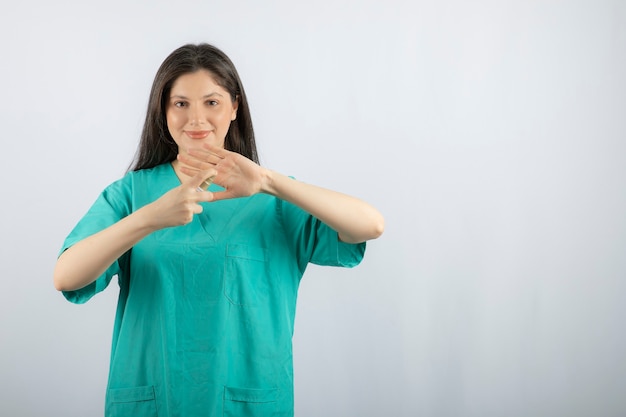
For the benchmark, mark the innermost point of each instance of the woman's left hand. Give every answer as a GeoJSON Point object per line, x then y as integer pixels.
{"type": "Point", "coordinates": [354, 220]}
{"type": "Point", "coordinates": [240, 176]}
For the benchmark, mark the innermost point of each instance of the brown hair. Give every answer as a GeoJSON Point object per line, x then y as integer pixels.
{"type": "Point", "coordinates": [157, 145]}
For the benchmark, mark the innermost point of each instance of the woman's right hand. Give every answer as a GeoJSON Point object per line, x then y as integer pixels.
{"type": "Point", "coordinates": [85, 261]}
{"type": "Point", "coordinates": [178, 206]}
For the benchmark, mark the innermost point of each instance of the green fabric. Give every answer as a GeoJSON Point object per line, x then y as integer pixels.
{"type": "Point", "coordinates": [206, 311]}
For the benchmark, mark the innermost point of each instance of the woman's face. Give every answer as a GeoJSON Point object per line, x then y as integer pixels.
{"type": "Point", "coordinates": [199, 111]}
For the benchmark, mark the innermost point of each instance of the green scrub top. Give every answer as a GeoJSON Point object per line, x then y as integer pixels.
{"type": "Point", "coordinates": [205, 316]}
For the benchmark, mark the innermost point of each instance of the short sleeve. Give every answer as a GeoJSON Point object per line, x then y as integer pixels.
{"type": "Point", "coordinates": [315, 242]}
{"type": "Point", "coordinates": [112, 205]}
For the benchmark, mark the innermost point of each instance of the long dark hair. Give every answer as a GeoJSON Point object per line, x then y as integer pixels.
{"type": "Point", "coordinates": [157, 145]}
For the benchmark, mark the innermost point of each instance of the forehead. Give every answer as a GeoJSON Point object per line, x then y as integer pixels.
{"type": "Point", "coordinates": [200, 81]}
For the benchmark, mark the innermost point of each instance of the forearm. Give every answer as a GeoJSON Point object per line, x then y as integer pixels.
{"type": "Point", "coordinates": [354, 220]}
{"type": "Point", "coordinates": [84, 262]}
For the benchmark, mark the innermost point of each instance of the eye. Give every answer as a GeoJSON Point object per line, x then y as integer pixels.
{"type": "Point", "coordinates": [212, 102]}
{"type": "Point", "coordinates": [179, 104]}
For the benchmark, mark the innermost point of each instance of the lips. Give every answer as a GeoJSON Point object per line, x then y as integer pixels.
{"type": "Point", "coordinates": [197, 134]}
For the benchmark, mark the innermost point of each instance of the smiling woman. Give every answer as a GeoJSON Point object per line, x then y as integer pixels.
{"type": "Point", "coordinates": [199, 111]}
{"type": "Point", "coordinates": [208, 278]}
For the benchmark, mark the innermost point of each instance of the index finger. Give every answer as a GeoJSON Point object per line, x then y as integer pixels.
{"type": "Point", "coordinates": [199, 179]}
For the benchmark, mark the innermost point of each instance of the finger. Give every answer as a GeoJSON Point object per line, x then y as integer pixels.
{"type": "Point", "coordinates": [205, 197]}
{"type": "Point", "coordinates": [204, 186]}
{"type": "Point", "coordinates": [215, 150]}
{"type": "Point", "coordinates": [200, 159]}
{"type": "Point", "coordinates": [198, 177]}
{"type": "Point", "coordinates": [195, 159]}
{"type": "Point", "coordinates": [197, 209]}
{"type": "Point", "coordinates": [207, 178]}
{"type": "Point", "coordinates": [190, 172]}
{"type": "Point", "coordinates": [223, 195]}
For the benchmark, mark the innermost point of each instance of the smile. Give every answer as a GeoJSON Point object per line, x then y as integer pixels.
{"type": "Point", "coordinates": [197, 134]}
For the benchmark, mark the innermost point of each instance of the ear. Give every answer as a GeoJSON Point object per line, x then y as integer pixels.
{"type": "Point", "coordinates": [233, 116]}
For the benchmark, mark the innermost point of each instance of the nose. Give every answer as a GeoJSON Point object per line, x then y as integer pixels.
{"type": "Point", "coordinates": [196, 116]}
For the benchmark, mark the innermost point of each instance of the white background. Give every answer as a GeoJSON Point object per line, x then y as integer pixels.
{"type": "Point", "coordinates": [491, 134]}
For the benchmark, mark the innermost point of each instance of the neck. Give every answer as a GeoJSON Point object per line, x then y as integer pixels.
{"type": "Point", "coordinates": [176, 164]}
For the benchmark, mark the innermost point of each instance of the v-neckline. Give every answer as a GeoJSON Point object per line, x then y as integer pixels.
{"type": "Point", "coordinates": [216, 216]}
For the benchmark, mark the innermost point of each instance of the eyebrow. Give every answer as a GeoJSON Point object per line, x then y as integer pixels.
{"type": "Point", "coordinates": [215, 93]}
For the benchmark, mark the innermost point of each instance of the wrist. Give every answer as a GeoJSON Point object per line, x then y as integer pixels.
{"type": "Point", "coordinates": [145, 221]}
{"type": "Point", "coordinates": [267, 181]}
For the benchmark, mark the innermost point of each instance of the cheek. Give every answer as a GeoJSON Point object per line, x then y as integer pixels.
{"type": "Point", "coordinates": [172, 121]}
{"type": "Point", "coordinates": [226, 119]}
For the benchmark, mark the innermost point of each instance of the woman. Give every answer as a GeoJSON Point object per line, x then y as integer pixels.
{"type": "Point", "coordinates": [208, 277]}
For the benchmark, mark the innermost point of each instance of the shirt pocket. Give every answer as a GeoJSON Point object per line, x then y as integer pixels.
{"type": "Point", "coordinates": [136, 402]}
{"type": "Point", "coordinates": [246, 402]}
{"type": "Point", "coordinates": [246, 275]}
